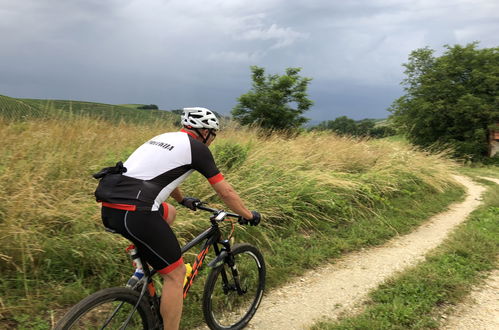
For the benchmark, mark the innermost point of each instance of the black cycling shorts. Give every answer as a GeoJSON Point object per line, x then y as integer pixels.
{"type": "Point", "coordinates": [148, 230]}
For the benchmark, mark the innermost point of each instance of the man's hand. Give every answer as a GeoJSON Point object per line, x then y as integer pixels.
{"type": "Point", "coordinates": [189, 202]}
{"type": "Point", "coordinates": [254, 221]}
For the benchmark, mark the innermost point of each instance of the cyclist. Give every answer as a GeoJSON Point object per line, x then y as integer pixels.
{"type": "Point", "coordinates": [133, 194]}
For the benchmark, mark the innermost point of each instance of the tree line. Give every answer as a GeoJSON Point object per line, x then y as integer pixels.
{"type": "Point", "coordinates": [360, 128]}
{"type": "Point", "coordinates": [450, 101]}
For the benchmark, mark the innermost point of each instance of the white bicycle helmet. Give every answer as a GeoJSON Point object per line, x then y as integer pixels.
{"type": "Point", "coordinates": [199, 118]}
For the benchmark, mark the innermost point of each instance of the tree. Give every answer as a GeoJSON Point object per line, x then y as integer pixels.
{"type": "Point", "coordinates": [365, 127]}
{"type": "Point", "coordinates": [274, 101]}
{"type": "Point", "coordinates": [451, 99]}
{"type": "Point", "coordinates": [341, 125]}
{"type": "Point", "coordinates": [148, 107]}
{"type": "Point", "coordinates": [382, 131]}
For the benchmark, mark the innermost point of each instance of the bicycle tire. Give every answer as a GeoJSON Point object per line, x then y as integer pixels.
{"type": "Point", "coordinates": [95, 311]}
{"type": "Point", "coordinates": [224, 307]}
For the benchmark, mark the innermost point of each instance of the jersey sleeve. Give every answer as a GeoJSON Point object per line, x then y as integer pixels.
{"type": "Point", "coordinates": [203, 162]}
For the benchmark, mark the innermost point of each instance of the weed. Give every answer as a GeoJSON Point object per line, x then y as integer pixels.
{"type": "Point", "coordinates": [320, 196]}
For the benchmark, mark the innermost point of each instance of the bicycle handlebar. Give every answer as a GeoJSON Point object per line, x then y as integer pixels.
{"type": "Point", "coordinates": [200, 205]}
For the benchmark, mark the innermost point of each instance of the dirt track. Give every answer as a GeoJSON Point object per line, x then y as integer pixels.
{"type": "Point", "coordinates": [481, 310]}
{"type": "Point", "coordinates": [338, 287]}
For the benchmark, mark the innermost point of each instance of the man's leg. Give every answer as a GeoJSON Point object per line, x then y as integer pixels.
{"type": "Point", "coordinates": [172, 298]}
{"type": "Point", "coordinates": [169, 213]}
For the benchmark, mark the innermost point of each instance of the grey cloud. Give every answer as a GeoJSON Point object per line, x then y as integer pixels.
{"type": "Point", "coordinates": [283, 36]}
{"type": "Point", "coordinates": [185, 52]}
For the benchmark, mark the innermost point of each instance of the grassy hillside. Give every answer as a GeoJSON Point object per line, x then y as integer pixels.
{"type": "Point", "coordinates": [320, 196]}
{"type": "Point", "coordinates": [12, 108]}
{"type": "Point", "coordinates": [131, 106]}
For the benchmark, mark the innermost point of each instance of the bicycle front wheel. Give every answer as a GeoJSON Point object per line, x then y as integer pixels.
{"type": "Point", "coordinates": [109, 309]}
{"type": "Point", "coordinates": [232, 294]}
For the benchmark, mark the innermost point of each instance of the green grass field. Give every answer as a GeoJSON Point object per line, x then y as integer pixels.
{"type": "Point", "coordinates": [16, 109]}
{"type": "Point", "coordinates": [22, 109]}
{"type": "Point", "coordinates": [320, 196]}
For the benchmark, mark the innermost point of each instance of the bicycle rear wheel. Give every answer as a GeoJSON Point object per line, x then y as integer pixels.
{"type": "Point", "coordinates": [224, 305]}
{"type": "Point", "coordinates": [109, 309]}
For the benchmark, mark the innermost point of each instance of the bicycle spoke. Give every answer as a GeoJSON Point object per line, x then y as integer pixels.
{"type": "Point", "coordinates": [112, 315]}
{"type": "Point", "coordinates": [108, 315]}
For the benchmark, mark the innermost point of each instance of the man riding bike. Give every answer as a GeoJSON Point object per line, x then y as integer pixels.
{"type": "Point", "coordinates": [133, 195]}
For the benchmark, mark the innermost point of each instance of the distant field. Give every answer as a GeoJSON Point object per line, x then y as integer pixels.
{"type": "Point", "coordinates": [131, 106]}
{"type": "Point", "coordinates": [12, 108]}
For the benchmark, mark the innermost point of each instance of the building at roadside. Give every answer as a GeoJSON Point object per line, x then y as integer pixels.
{"type": "Point", "coordinates": [494, 140]}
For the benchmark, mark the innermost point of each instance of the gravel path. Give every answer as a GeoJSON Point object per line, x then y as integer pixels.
{"type": "Point", "coordinates": [481, 310]}
{"type": "Point", "coordinates": [338, 287]}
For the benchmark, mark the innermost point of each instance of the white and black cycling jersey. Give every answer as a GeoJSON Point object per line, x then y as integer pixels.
{"type": "Point", "coordinates": [156, 168]}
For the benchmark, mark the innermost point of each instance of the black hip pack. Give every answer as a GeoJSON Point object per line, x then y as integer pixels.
{"type": "Point", "coordinates": [117, 169]}
{"type": "Point", "coordinates": [114, 187]}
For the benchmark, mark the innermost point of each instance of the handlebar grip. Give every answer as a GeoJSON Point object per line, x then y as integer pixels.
{"type": "Point", "coordinates": [242, 221]}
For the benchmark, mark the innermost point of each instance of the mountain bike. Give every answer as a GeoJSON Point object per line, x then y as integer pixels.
{"type": "Point", "coordinates": [232, 293]}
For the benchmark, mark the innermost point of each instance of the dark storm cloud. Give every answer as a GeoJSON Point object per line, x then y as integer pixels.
{"type": "Point", "coordinates": [190, 52]}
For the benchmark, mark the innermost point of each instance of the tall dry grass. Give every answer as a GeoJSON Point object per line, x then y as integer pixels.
{"type": "Point", "coordinates": [50, 229]}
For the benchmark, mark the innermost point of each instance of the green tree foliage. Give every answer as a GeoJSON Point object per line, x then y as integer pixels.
{"type": "Point", "coordinates": [149, 107]}
{"type": "Point", "coordinates": [274, 101]}
{"type": "Point", "coordinates": [382, 131]}
{"type": "Point", "coordinates": [451, 99]}
{"type": "Point", "coordinates": [341, 125]}
{"type": "Point", "coordinates": [347, 126]}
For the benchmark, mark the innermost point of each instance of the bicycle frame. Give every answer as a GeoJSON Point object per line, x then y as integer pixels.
{"type": "Point", "coordinates": [212, 236]}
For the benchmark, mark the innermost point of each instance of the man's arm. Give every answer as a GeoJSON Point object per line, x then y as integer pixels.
{"type": "Point", "coordinates": [177, 195]}
{"type": "Point", "coordinates": [231, 199]}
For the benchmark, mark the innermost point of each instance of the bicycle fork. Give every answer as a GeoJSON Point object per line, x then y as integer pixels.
{"type": "Point", "coordinates": [230, 260]}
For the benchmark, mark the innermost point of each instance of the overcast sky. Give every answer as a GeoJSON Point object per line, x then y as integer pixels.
{"type": "Point", "coordinates": [182, 53]}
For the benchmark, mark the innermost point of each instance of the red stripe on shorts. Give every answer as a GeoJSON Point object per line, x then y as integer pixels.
{"type": "Point", "coordinates": [165, 210]}
{"type": "Point", "coordinates": [125, 207]}
{"type": "Point", "coordinates": [171, 267]}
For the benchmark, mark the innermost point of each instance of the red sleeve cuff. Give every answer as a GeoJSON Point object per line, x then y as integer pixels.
{"type": "Point", "coordinates": [216, 179]}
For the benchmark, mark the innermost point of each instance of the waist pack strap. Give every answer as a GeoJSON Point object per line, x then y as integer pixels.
{"type": "Point", "coordinates": [117, 169]}
{"type": "Point", "coordinates": [126, 207]}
